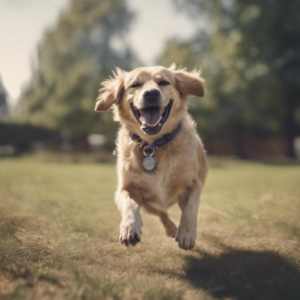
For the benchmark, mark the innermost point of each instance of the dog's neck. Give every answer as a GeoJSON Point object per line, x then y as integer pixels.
{"type": "Point", "coordinates": [158, 143]}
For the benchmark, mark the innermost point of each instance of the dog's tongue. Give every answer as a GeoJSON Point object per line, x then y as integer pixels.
{"type": "Point", "coordinates": [150, 115]}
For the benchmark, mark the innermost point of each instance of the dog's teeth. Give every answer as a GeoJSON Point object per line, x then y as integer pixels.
{"type": "Point", "coordinates": [159, 124]}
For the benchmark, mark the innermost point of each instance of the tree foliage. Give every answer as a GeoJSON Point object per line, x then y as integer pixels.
{"type": "Point", "coordinates": [250, 55]}
{"type": "Point", "coordinates": [3, 101]}
{"type": "Point", "coordinates": [86, 43]}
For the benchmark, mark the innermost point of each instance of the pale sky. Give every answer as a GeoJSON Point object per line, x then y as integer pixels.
{"type": "Point", "coordinates": [23, 23]}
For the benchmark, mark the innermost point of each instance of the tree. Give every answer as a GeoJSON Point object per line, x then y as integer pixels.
{"type": "Point", "coordinates": [72, 59]}
{"type": "Point", "coordinates": [252, 73]}
{"type": "Point", "coordinates": [272, 29]}
{"type": "Point", "coordinates": [3, 101]}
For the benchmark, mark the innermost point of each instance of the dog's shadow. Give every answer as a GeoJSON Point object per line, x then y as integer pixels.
{"type": "Point", "coordinates": [244, 275]}
{"type": "Point", "coordinates": [241, 274]}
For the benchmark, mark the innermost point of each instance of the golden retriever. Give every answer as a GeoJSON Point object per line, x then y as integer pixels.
{"type": "Point", "coordinates": [161, 159]}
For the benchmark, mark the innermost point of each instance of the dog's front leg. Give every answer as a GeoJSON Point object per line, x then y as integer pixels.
{"type": "Point", "coordinates": [131, 225]}
{"type": "Point", "coordinates": [189, 203]}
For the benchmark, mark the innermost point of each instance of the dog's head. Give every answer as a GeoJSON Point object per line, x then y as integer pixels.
{"type": "Point", "coordinates": [149, 100]}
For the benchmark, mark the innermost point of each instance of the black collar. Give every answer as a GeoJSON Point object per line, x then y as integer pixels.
{"type": "Point", "coordinates": [159, 142]}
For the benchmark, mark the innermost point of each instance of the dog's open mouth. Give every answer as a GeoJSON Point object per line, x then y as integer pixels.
{"type": "Point", "coordinates": [152, 118]}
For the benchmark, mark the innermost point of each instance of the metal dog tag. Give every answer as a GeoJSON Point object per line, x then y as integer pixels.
{"type": "Point", "coordinates": [149, 163]}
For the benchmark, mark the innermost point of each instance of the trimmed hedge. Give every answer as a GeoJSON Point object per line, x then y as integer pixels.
{"type": "Point", "coordinates": [22, 136]}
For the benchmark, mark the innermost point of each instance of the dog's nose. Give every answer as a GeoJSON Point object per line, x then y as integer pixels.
{"type": "Point", "coordinates": [151, 95]}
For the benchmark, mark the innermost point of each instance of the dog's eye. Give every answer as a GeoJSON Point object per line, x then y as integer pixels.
{"type": "Point", "coordinates": [136, 84]}
{"type": "Point", "coordinates": [164, 82]}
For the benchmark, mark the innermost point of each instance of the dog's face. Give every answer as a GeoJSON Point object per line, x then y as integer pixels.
{"type": "Point", "coordinates": [152, 99]}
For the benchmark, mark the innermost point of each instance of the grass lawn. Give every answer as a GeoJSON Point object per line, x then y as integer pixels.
{"type": "Point", "coordinates": [59, 236]}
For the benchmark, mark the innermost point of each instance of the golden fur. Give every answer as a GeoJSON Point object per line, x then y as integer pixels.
{"type": "Point", "coordinates": [181, 167]}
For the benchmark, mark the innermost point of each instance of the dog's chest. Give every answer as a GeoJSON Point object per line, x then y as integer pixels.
{"type": "Point", "coordinates": [176, 169]}
{"type": "Point", "coordinates": [171, 176]}
{"type": "Point", "coordinates": [174, 175]}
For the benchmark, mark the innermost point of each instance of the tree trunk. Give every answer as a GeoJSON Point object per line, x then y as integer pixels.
{"type": "Point", "coordinates": [290, 124]}
{"type": "Point", "coordinates": [239, 140]}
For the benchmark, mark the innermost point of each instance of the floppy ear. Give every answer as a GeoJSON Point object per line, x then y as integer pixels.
{"type": "Point", "coordinates": [111, 91]}
{"type": "Point", "coordinates": [189, 83]}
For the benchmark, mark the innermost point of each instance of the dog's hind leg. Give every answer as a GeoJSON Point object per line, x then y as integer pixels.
{"type": "Point", "coordinates": [154, 209]}
{"type": "Point", "coordinates": [169, 225]}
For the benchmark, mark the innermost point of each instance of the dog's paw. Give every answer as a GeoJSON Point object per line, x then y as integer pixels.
{"type": "Point", "coordinates": [185, 237]}
{"type": "Point", "coordinates": [171, 230]}
{"type": "Point", "coordinates": [130, 232]}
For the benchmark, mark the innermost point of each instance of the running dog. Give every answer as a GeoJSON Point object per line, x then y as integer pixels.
{"type": "Point", "coordinates": [161, 159]}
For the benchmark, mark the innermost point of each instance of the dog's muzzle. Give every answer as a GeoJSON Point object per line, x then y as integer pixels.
{"type": "Point", "coordinates": [152, 117]}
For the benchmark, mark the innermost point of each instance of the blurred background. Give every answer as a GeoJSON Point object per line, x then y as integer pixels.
{"type": "Point", "coordinates": [54, 55]}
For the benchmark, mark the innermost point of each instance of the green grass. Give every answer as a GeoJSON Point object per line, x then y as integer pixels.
{"type": "Point", "coordinates": [59, 236]}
